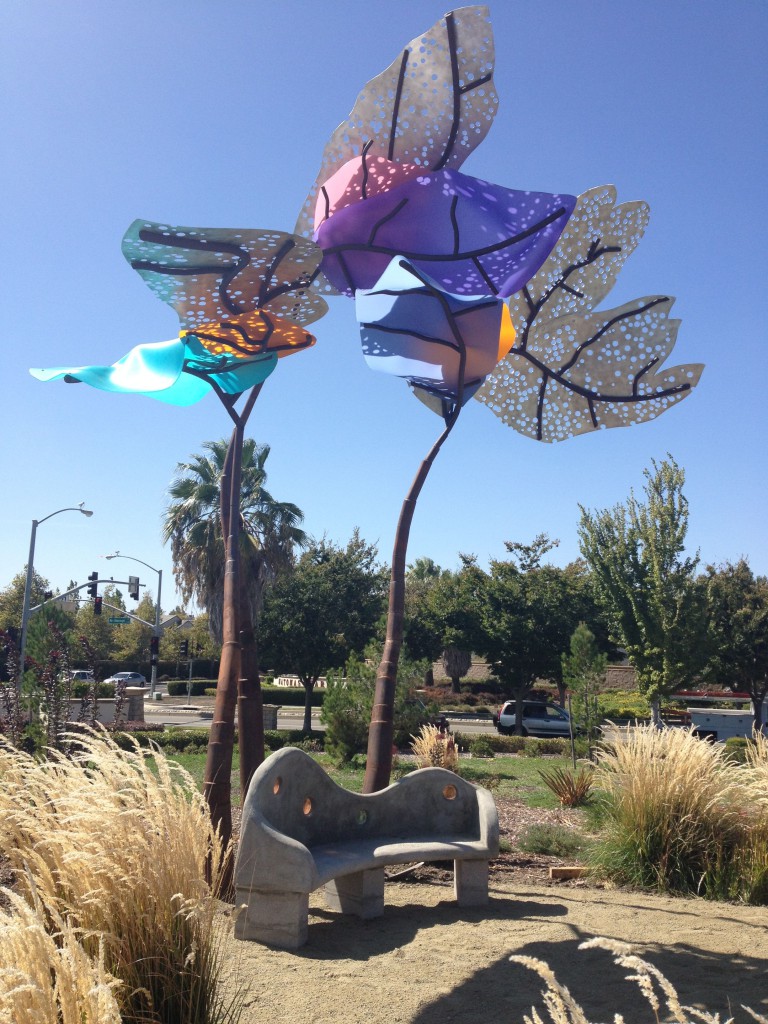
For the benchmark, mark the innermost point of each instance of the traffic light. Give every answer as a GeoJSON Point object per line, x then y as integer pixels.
{"type": "Point", "coordinates": [154, 649]}
{"type": "Point", "coordinates": [93, 586]}
{"type": "Point", "coordinates": [97, 606]}
{"type": "Point", "coordinates": [133, 587]}
{"type": "Point", "coordinates": [184, 648]}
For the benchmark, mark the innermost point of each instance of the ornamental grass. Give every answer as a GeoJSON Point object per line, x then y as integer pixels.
{"type": "Point", "coordinates": [571, 787]}
{"type": "Point", "coordinates": [681, 816]}
{"type": "Point", "coordinates": [663, 999]}
{"type": "Point", "coordinates": [113, 844]}
{"type": "Point", "coordinates": [48, 977]}
{"type": "Point", "coordinates": [434, 749]}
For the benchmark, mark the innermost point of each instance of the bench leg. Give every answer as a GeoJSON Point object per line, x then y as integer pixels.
{"type": "Point", "coordinates": [361, 894]}
{"type": "Point", "coordinates": [274, 918]}
{"type": "Point", "coordinates": [470, 882]}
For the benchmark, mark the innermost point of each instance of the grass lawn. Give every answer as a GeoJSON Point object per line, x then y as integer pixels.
{"type": "Point", "coordinates": [506, 775]}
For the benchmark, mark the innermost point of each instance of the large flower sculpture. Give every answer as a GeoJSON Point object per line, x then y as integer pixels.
{"type": "Point", "coordinates": [430, 255]}
{"type": "Point", "coordinates": [243, 299]}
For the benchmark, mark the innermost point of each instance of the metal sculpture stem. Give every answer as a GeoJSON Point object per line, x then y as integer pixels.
{"type": "Point", "coordinates": [381, 732]}
{"type": "Point", "coordinates": [231, 691]}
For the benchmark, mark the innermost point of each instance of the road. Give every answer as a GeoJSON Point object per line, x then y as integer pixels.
{"type": "Point", "coordinates": [174, 714]}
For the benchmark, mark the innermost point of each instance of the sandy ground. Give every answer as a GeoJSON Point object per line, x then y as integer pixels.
{"type": "Point", "coordinates": [427, 962]}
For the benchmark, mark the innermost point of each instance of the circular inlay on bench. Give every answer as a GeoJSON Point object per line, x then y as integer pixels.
{"type": "Point", "coordinates": [276, 785]}
{"type": "Point", "coordinates": [308, 805]}
{"type": "Point", "coordinates": [450, 792]}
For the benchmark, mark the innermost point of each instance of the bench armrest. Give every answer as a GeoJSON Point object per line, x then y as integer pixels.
{"type": "Point", "coordinates": [488, 818]}
{"type": "Point", "coordinates": [273, 861]}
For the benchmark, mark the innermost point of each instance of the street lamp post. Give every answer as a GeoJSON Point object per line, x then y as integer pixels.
{"type": "Point", "coordinates": [157, 629]}
{"type": "Point", "coordinates": [28, 582]}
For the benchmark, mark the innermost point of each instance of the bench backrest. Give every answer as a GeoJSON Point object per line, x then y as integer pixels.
{"type": "Point", "coordinates": [293, 794]}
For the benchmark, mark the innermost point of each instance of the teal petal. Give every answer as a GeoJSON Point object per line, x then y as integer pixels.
{"type": "Point", "coordinates": [161, 371]}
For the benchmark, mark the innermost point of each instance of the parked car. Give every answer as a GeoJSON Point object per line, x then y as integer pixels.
{"type": "Point", "coordinates": [539, 719]}
{"type": "Point", "coordinates": [81, 675]}
{"type": "Point", "coordinates": [128, 678]}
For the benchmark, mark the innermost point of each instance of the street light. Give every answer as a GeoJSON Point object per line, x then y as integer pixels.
{"type": "Point", "coordinates": [28, 583]}
{"type": "Point", "coordinates": [157, 631]}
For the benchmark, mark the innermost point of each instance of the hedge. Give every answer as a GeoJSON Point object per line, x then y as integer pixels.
{"type": "Point", "coordinates": [193, 740]}
{"type": "Point", "coordinates": [529, 745]}
{"type": "Point", "coordinates": [197, 688]}
{"type": "Point", "coordinates": [285, 696]}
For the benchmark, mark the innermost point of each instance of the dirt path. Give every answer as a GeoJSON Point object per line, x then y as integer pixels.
{"type": "Point", "coordinates": [424, 962]}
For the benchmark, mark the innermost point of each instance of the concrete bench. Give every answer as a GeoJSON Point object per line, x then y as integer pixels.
{"type": "Point", "coordinates": [301, 831]}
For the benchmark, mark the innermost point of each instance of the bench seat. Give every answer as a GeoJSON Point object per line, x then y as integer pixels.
{"type": "Point", "coordinates": [301, 831]}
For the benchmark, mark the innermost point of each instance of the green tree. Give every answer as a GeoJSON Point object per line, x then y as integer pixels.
{"type": "Point", "coordinates": [132, 641]}
{"type": "Point", "coordinates": [636, 553]}
{"type": "Point", "coordinates": [584, 673]}
{"type": "Point", "coordinates": [97, 633]}
{"type": "Point", "coordinates": [528, 613]}
{"type": "Point", "coordinates": [453, 608]}
{"type": "Point", "coordinates": [737, 613]}
{"type": "Point", "coordinates": [420, 639]}
{"type": "Point", "coordinates": [196, 526]}
{"type": "Point", "coordinates": [322, 611]}
{"type": "Point", "coordinates": [12, 597]}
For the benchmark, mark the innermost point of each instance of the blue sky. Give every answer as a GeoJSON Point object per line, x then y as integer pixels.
{"type": "Point", "coordinates": [206, 113]}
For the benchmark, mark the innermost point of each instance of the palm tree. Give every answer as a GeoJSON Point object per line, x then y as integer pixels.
{"type": "Point", "coordinates": [269, 531]}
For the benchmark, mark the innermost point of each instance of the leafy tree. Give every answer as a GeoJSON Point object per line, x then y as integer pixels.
{"type": "Point", "coordinates": [441, 613]}
{"type": "Point", "coordinates": [420, 639]}
{"type": "Point", "coordinates": [453, 606]}
{"type": "Point", "coordinates": [737, 606]}
{"type": "Point", "coordinates": [198, 635]}
{"type": "Point", "coordinates": [321, 612]}
{"type": "Point", "coordinates": [12, 597]}
{"type": "Point", "coordinates": [95, 630]}
{"type": "Point", "coordinates": [583, 673]}
{"type": "Point", "coordinates": [528, 613]}
{"type": "Point", "coordinates": [636, 553]}
{"type": "Point", "coordinates": [132, 641]}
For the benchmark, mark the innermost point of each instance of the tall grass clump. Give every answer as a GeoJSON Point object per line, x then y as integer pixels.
{"type": "Point", "coordinates": [660, 994]}
{"type": "Point", "coordinates": [754, 859]}
{"type": "Point", "coordinates": [115, 844]}
{"type": "Point", "coordinates": [50, 978]}
{"type": "Point", "coordinates": [679, 816]}
{"type": "Point", "coordinates": [434, 749]}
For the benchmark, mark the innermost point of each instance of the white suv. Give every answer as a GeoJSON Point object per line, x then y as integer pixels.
{"type": "Point", "coordinates": [539, 719]}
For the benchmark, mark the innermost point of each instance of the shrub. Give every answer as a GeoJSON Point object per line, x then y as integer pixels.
{"type": "Point", "coordinates": [736, 747]}
{"type": "Point", "coordinates": [570, 787]}
{"type": "Point", "coordinates": [551, 840]}
{"type": "Point", "coordinates": [348, 702]}
{"type": "Point", "coordinates": [292, 696]}
{"type": "Point", "coordinates": [434, 749]}
{"type": "Point", "coordinates": [479, 746]}
{"type": "Point", "coordinates": [82, 688]}
{"type": "Point", "coordinates": [118, 849]}
{"type": "Point", "coordinates": [681, 816]}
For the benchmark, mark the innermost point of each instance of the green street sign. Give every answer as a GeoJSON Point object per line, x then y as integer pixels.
{"type": "Point", "coordinates": [118, 620]}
